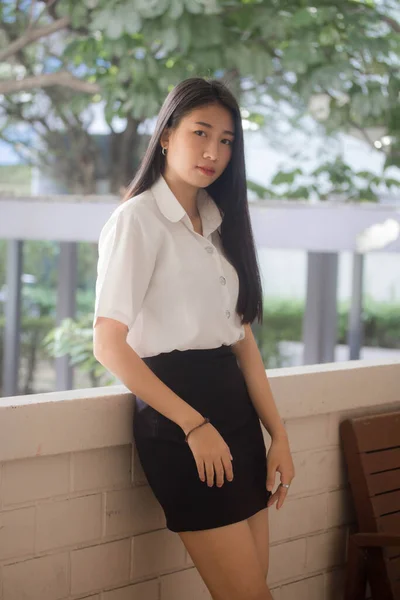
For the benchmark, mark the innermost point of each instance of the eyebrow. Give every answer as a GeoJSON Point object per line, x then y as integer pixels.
{"type": "Point", "coordinates": [211, 127]}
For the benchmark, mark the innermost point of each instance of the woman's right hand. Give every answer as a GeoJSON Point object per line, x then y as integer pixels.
{"type": "Point", "coordinates": [212, 455]}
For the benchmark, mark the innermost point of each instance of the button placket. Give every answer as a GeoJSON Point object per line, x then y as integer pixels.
{"type": "Point", "coordinates": [225, 293]}
{"type": "Point", "coordinates": [222, 280]}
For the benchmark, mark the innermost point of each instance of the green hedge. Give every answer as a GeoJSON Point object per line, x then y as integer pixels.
{"type": "Point", "coordinates": [283, 319]}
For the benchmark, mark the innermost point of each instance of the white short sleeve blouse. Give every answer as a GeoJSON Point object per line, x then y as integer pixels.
{"type": "Point", "coordinates": [172, 287]}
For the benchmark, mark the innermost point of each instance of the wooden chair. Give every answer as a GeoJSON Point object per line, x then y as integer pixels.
{"type": "Point", "coordinates": [372, 451]}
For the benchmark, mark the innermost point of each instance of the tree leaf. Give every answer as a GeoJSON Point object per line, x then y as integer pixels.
{"type": "Point", "coordinates": [133, 24]}
{"type": "Point", "coordinates": [176, 9]}
{"type": "Point", "coordinates": [286, 177]}
{"type": "Point", "coordinates": [170, 39]}
{"type": "Point", "coordinates": [150, 9]}
{"type": "Point", "coordinates": [390, 182]}
{"type": "Point", "coordinates": [193, 6]}
{"type": "Point", "coordinates": [115, 28]}
{"type": "Point", "coordinates": [100, 20]}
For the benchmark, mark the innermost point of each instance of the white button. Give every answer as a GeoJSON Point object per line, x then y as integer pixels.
{"type": "Point", "coordinates": [210, 249]}
{"type": "Point", "coordinates": [222, 280]}
{"type": "Point", "coordinates": [228, 314]}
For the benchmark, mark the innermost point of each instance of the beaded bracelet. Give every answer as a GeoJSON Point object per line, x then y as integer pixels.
{"type": "Point", "coordinates": [206, 420]}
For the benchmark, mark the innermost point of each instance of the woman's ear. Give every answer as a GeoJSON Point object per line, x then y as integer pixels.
{"type": "Point", "coordinates": [164, 137]}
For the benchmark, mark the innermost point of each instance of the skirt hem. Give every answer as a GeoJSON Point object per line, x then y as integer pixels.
{"type": "Point", "coordinates": [221, 523]}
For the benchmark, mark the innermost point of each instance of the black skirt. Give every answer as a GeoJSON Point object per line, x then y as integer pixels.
{"type": "Point", "coordinates": [211, 381]}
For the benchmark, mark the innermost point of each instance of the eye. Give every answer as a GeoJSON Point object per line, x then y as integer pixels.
{"type": "Point", "coordinates": [200, 131]}
{"type": "Point", "coordinates": [229, 142]}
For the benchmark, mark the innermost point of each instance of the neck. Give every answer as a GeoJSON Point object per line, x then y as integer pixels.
{"type": "Point", "coordinates": [185, 193]}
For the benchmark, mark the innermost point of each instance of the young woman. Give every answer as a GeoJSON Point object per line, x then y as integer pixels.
{"type": "Point", "coordinates": [178, 286]}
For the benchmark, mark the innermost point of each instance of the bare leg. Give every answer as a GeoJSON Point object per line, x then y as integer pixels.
{"type": "Point", "coordinates": [227, 560]}
{"type": "Point", "coordinates": [259, 526]}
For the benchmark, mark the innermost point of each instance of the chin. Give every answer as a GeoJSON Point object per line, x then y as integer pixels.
{"type": "Point", "coordinates": [197, 180]}
{"type": "Point", "coordinates": [202, 181]}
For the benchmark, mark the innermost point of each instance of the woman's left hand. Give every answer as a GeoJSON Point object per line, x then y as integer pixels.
{"type": "Point", "coordinates": [279, 459]}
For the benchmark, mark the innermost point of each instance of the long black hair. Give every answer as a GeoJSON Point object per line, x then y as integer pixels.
{"type": "Point", "coordinates": [229, 191]}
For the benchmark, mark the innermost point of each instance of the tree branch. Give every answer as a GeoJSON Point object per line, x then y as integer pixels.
{"type": "Point", "coordinates": [31, 11]}
{"type": "Point", "coordinates": [49, 3]}
{"type": "Point", "coordinates": [32, 35]}
{"type": "Point", "coordinates": [351, 122]}
{"type": "Point", "coordinates": [18, 146]}
{"type": "Point", "coordinates": [62, 78]}
{"type": "Point", "coordinates": [392, 23]}
{"type": "Point", "coordinates": [14, 110]}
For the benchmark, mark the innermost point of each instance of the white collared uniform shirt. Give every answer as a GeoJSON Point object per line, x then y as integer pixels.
{"type": "Point", "coordinates": [172, 287]}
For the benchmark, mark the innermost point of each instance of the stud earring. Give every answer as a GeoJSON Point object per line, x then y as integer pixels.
{"type": "Point", "coordinates": [164, 151]}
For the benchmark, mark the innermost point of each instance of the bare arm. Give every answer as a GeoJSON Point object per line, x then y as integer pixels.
{"type": "Point", "coordinates": [113, 352]}
{"type": "Point", "coordinates": [252, 366]}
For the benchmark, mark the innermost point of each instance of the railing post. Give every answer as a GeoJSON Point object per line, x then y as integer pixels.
{"type": "Point", "coordinates": [355, 323]}
{"type": "Point", "coordinates": [66, 303]}
{"type": "Point", "coordinates": [320, 317]}
{"type": "Point", "coordinates": [12, 326]}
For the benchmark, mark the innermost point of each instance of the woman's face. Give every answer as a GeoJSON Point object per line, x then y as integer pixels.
{"type": "Point", "coordinates": [200, 148]}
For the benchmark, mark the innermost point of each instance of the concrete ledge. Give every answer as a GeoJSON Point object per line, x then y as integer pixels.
{"type": "Point", "coordinates": [78, 519]}
{"type": "Point", "coordinates": [317, 227]}
{"type": "Point", "coordinates": [334, 387]}
{"type": "Point", "coordinates": [59, 422]}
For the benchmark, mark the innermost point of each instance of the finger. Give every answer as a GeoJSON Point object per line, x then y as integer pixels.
{"type": "Point", "coordinates": [281, 498]}
{"type": "Point", "coordinates": [282, 493]}
{"type": "Point", "coordinates": [200, 469]}
{"type": "Point", "coordinates": [219, 472]}
{"type": "Point", "coordinates": [228, 467]}
{"type": "Point", "coordinates": [273, 498]}
{"type": "Point", "coordinates": [210, 473]}
{"type": "Point", "coordinates": [271, 476]}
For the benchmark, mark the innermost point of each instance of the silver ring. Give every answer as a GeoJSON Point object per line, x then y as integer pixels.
{"type": "Point", "coordinates": [285, 485]}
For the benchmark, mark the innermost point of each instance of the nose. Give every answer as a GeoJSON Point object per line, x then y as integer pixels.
{"type": "Point", "coordinates": [211, 152]}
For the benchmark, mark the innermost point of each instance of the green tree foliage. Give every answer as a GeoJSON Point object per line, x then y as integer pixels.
{"type": "Point", "coordinates": [332, 180]}
{"type": "Point", "coordinates": [130, 53]}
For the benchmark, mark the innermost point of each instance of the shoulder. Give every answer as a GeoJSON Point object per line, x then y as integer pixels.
{"type": "Point", "coordinates": [138, 212]}
{"type": "Point", "coordinates": [142, 206]}
{"type": "Point", "coordinates": [139, 208]}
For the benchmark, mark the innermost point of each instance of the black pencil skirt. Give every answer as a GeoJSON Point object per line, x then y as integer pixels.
{"type": "Point", "coordinates": [211, 381]}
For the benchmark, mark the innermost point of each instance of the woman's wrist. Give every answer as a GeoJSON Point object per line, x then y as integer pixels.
{"type": "Point", "coordinates": [278, 433]}
{"type": "Point", "coordinates": [204, 422]}
{"type": "Point", "coordinates": [191, 422]}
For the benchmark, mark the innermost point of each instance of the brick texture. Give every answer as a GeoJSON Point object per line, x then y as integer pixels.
{"type": "Point", "coordinates": [44, 578]}
{"type": "Point", "coordinates": [184, 585]}
{"type": "Point", "coordinates": [86, 525]}
{"type": "Point", "coordinates": [148, 590]}
{"type": "Point", "coordinates": [99, 567]}
{"type": "Point", "coordinates": [157, 552]}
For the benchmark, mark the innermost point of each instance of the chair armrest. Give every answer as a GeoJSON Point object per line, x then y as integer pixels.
{"type": "Point", "coordinates": [374, 540]}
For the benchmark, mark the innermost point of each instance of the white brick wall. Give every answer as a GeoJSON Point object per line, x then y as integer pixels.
{"type": "Point", "coordinates": [83, 523]}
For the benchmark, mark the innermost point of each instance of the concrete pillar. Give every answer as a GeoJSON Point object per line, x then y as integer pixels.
{"type": "Point", "coordinates": [355, 323]}
{"type": "Point", "coordinates": [12, 327]}
{"type": "Point", "coordinates": [320, 317]}
{"type": "Point", "coordinates": [66, 306]}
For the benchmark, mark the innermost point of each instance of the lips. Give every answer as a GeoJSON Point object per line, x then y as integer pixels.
{"type": "Point", "coordinates": [207, 170]}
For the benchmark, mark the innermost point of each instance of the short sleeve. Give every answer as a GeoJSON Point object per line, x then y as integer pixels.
{"type": "Point", "coordinates": [125, 264]}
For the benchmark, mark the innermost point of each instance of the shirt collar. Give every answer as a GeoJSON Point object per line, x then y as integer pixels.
{"type": "Point", "coordinates": [172, 209]}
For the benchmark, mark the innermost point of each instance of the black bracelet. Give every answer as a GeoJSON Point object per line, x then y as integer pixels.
{"type": "Point", "coordinates": [206, 420]}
